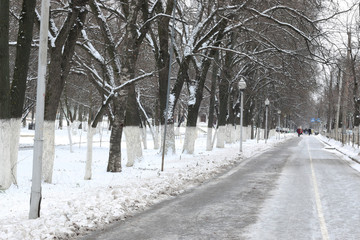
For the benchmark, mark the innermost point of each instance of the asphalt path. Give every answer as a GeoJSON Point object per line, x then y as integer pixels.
{"type": "Point", "coordinates": [297, 190]}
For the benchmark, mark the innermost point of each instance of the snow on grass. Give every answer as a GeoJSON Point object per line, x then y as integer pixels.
{"type": "Point", "coordinates": [71, 205]}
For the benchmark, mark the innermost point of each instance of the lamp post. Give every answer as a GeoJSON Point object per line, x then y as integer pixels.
{"type": "Point", "coordinates": [242, 86]}
{"type": "Point", "coordinates": [35, 197]}
{"type": "Point", "coordinates": [267, 103]}
{"type": "Point", "coordinates": [279, 112]}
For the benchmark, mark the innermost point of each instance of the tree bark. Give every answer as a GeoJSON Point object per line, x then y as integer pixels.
{"type": "Point", "coordinates": [223, 111]}
{"type": "Point", "coordinates": [209, 145]}
{"type": "Point", "coordinates": [114, 162]}
{"type": "Point", "coordinates": [330, 105]}
{"type": "Point", "coordinates": [132, 128]}
{"type": "Point", "coordinates": [23, 47]}
{"type": "Point", "coordinates": [61, 54]}
{"type": "Point", "coordinates": [193, 109]}
{"type": "Point", "coordinates": [4, 61]}
{"type": "Point", "coordinates": [5, 162]}
{"type": "Point", "coordinates": [224, 86]}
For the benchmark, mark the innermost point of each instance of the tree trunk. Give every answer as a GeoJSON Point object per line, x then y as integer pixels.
{"type": "Point", "coordinates": [61, 117]}
{"type": "Point", "coordinates": [223, 111]}
{"type": "Point", "coordinates": [209, 145]}
{"type": "Point", "coordinates": [14, 146]}
{"type": "Point", "coordinates": [5, 124]}
{"type": "Point", "coordinates": [162, 57]}
{"type": "Point", "coordinates": [330, 101]}
{"type": "Point", "coordinates": [346, 82]}
{"type": "Point", "coordinates": [88, 166]}
{"type": "Point", "coordinates": [4, 61]}
{"type": "Point", "coordinates": [337, 124]}
{"type": "Point", "coordinates": [131, 129]}
{"type": "Point", "coordinates": [59, 68]}
{"type": "Point", "coordinates": [48, 150]}
{"type": "Point", "coordinates": [80, 116]}
{"type": "Point", "coordinates": [143, 134]}
{"type": "Point", "coordinates": [157, 127]}
{"type": "Point", "coordinates": [18, 85]}
{"type": "Point", "coordinates": [193, 109]}
{"type": "Point", "coordinates": [5, 169]}
{"type": "Point", "coordinates": [114, 161]}
{"type": "Point", "coordinates": [69, 126]}
{"type": "Point", "coordinates": [170, 139]}
{"type": "Point", "coordinates": [23, 47]}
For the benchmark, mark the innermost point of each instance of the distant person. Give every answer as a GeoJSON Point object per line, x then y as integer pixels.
{"type": "Point", "coordinates": [309, 131]}
{"type": "Point", "coordinates": [299, 131]}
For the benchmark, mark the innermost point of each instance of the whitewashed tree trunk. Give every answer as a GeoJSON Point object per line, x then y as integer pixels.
{"type": "Point", "coordinates": [237, 133]}
{"type": "Point", "coordinates": [228, 133]}
{"type": "Point", "coordinates": [5, 162]}
{"type": "Point", "coordinates": [244, 132]}
{"type": "Point", "coordinates": [157, 137]}
{"type": "Point", "coordinates": [220, 142]}
{"type": "Point", "coordinates": [90, 136]}
{"type": "Point", "coordinates": [248, 132]}
{"type": "Point", "coordinates": [170, 138]}
{"type": "Point", "coordinates": [81, 131]}
{"type": "Point", "coordinates": [262, 134]}
{"type": "Point", "coordinates": [209, 145]}
{"type": "Point", "coordinates": [14, 147]}
{"type": "Point", "coordinates": [70, 138]}
{"type": "Point", "coordinates": [101, 129]}
{"type": "Point", "coordinates": [48, 150]}
{"type": "Point", "coordinates": [214, 137]}
{"type": "Point", "coordinates": [272, 133]}
{"type": "Point", "coordinates": [189, 142]}
{"type": "Point", "coordinates": [133, 144]}
{"type": "Point", "coordinates": [232, 133]}
{"type": "Point", "coordinates": [143, 137]}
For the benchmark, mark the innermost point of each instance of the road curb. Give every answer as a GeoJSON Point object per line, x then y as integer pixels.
{"type": "Point", "coordinates": [352, 158]}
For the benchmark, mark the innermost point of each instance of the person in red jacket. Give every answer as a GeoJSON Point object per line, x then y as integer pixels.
{"type": "Point", "coordinates": [299, 131]}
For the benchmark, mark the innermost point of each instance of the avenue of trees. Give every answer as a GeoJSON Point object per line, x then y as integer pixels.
{"type": "Point", "coordinates": [338, 106]}
{"type": "Point", "coordinates": [112, 58]}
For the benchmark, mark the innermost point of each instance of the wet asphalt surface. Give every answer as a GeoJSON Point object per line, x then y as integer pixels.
{"type": "Point", "coordinates": [296, 190]}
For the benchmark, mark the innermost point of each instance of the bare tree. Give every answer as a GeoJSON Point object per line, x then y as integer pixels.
{"type": "Point", "coordinates": [62, 48]}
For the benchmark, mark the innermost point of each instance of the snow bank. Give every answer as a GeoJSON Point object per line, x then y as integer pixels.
{"type": "Point", "coordinates": [349, 153]}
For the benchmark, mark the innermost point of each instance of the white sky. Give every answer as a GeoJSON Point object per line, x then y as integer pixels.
{"type": "Point", "coordinates": [338, 27]}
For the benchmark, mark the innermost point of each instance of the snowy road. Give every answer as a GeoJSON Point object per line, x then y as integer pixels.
{"type": "Point", "coordinates": [297, 190]}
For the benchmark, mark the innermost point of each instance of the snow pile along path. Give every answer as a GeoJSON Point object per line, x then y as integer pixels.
{"type": "Point", "coordinates": [71, 205]}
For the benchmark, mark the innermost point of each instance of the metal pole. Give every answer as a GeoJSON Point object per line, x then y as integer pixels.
{"type": "Point", "coordinates": [241, 118]}
{"type": "Point", "coordinates": [266, 123]}
{"type": "Point", "coordinates": [168, 86]}
{"type": "Point", "coordinates": [35, 197]}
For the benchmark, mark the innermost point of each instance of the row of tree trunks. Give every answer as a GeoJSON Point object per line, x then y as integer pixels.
{"type": "Point", "coordinates": [12, 98]}
{"type": "Point", "coordinates": [193, 109]}
{"type": "Point", "coordinates": [61, 54]}
{"type": "Point", "coordinates": [162, 58]}
{"type": "Point", "coordinates": [214, 75]}
{"type": "Point", "coordinates": [114, 162]}
{"type": "Point", "coordinates": [224, 92]}
{"type": "Point", "coordinates": [5, 172]}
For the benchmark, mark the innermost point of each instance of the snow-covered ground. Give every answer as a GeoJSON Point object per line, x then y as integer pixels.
{"type": "Point", "coordinates": [72, 205]}
{"type": "Point", "coordinates": [349, 152]}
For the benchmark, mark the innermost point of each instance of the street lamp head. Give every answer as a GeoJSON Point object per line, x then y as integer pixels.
{"type": "Point", "coordinates": [242, 84]}
{"type": "Point", "coordinates": [279, 112]}
{"type": "Point", "coordinates": [267, 102]}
